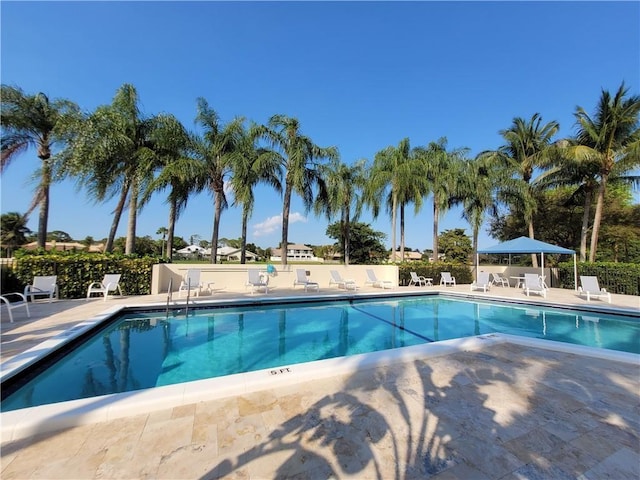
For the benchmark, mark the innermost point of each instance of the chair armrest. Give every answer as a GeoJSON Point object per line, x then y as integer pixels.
{"type": "Point", "coordinates": [17, 294]}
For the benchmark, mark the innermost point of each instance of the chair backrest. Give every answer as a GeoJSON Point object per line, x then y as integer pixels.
{"type": "Point", "coordinates": [111, 278]}
{"type": "Point", "coordinates": [532, 280]}
{"type": "Point", "coordinates": [335, 275]}
{"type": "Point", "coordinates": [301, 275]}
{"type": "Point", "coordinates": [371, 275]}
{"type": "Point", "coordinates": [589, 283]}
{"type": "Point", "coordinates": [414, 276]}
{"type": "Point", "coordinates": [483, 278]}
{"type": "Point", "coordinates": [192, 277]}
{"type": "Point", "coordinates": [498, 276]}
{"type": "Point", "coordinates": [253, 276]}
{"type": "Point", "coordinates": [446, 276]}
{"type": "Point", "coordinates": [45, 283]}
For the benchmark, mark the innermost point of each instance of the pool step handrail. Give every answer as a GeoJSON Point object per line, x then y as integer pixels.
{"type": "Point", "coordinates": [169, 294]}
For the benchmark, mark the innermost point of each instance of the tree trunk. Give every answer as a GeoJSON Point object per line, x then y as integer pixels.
{"type": "Point", "coordinates": [475, 251]}
{"type": "Point", "coordinates": [393, 226]}
{"type": "Point", "coordinates": [217, 211]}
{"type": "Point", "coordinates": [347, 229]}
{"type": "Point", "coordinates": [243, 239]}
{"type": "Point", "coordinates": [172, 228]}
{"type": "Point", "coordinates": [401, 233]}
{"type": "Point", "coordinates": [436, 214]}
{"type": "Point", "coordinates": [131, 224]}
{"type": "Point", "coordinates": [286, 205]}
{"type": "Point", "coordinates": [597, 218]}
{"type": "Point", "coordinates": [117, 214]}
{"type": "Point", "coordinates": [534, 257]}
{"type": "Point", "coordinates": [585, 224]}
{"type": "Point", "coordinates": [43, 214]}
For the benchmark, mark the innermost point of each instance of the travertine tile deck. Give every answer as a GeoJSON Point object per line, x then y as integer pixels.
{"type": "Point", "coordinates": [508, 411]}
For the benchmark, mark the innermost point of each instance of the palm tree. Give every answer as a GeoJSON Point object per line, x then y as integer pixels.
{"type": "Point", "coordinates": [112, 153]}
{"type": "Point", "coordinates": [527, 146]}
{"type": "Point", "coordinates": [481, 184]}
{"type": "Point", "coordinates": [441, 169]}
{"type": "Point", "coordinates": [162, 231]}
{"type": "Point", "coordinates": [253, 165]}
{"type": "Point", "coordinates": [34, 121]}
{"type": "Point", "coordinates": [399, 173]}
{"type": "Point", "coordinates": [13, 228]}
{"type": "Point", "coordinates": [218, 148]}
{"type": "Point", "coordinates": [300, 157]}
{"type": "Point", "coordinates": [345, 184]}
{"type": "Point", "coordinates": [178, 172]}
{"type": "Point", "coordinates": [612, 139]}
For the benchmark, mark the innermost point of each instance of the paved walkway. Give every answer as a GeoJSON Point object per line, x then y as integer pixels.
{"type": "Point", "coordinates": [509, 411]}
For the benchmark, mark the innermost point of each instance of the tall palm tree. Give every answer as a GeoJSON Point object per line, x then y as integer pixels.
{"type": "Point", "coordinates": [441, 168]}
{"type": "Point", "coordinates": [345, 184]}
{"type": "Point", "coordinates": [13, 228]}
{"type": "Point", "coordinates": [218, 148]}
{"type": "Point", "coordinates": [612, 138]}
{"type": "Point", "coordinates": [253, 166]}
{"type": "Point", "coordinates": [178, 171]}
{"type": "Point", "coordinates": [397, 176]}
{"type": "Point", "coordinates": [34, 121]}
{"type": "Point", "coordinates": [300, 158]}
{"type": "Point", "coordinates": [481, 184]}
{"type": "Point", "coordinates": [113, 154]}
{"type": "Point", "coordinates": [527, 146]}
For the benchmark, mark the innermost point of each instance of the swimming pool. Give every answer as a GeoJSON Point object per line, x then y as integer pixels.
{"type": "Point", "coordinates": [144, 350]}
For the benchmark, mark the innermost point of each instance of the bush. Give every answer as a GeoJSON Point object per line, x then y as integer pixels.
{"type": "Point", "coordinates": [623, 278]}
{"type": "Point", "coordinates": [461, 272]}
{"type": "Point", "coordinates": [8, 280]}
{"type": "Point", "coordinates": [76, 271]}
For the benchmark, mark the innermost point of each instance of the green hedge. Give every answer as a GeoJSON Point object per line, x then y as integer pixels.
{"type": "Point", "coordinates": [623, 278]}
{"type": "Point", "coordinates": [76, 271]}
{"type": "Point", "coordinates": [461, 272]}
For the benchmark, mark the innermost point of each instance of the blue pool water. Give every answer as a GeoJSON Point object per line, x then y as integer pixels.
{"type": "Point", "coordinates": [140, 351]}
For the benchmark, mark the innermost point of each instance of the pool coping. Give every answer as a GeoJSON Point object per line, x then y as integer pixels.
{"type": "Point", "coordinates": [34, 420]}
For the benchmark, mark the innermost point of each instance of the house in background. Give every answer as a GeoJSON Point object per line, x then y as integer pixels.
{"type": "Point", "coordinates": [408, 257]}
{"type": "Point", "coordinates": [295, 252]}
{"type": "Point", "coordinates": [231, 254]}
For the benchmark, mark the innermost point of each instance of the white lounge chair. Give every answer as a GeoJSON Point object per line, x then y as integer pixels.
{"type": "Point", "coordinates": [301, 279]}
{"type": "Point", "coordinates": [499, 279]}
{"type": "Point", "coordinates": [373, 280]}
{"type": "Point", "coordinates": [590, 287]}
{"type": "Point", "coordinates": [255, 281]}
{"type": "Point", "coordinates": [191, 282]}
{"type": "Point", "coordinates": [44, 286]}
{"type": "Point", "coordinates": [419, 280]}
{"type": "Point", "coordinates": [447, 279]}
{"type": "Point", "coordinates": [13, 305]}
{"type": "Point", "coordinates": [482, 283]}
{"type": "Point", "coordinates": [110, 283]}
{"type": "Point", "coordinates": [346, 283]}
{"type": "Point", "coordinates": [533, 284]}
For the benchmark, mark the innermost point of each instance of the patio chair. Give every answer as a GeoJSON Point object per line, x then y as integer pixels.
{"type": "Point", "coordinates": [418, 280]}
{"type": "Point", "coordinates": [499, 279]}
{"type": "Point", "coordinates": [346, 283]}
{"type": "Point", "coordinates": [190, 282]}
{"type": "Point", "coordinates": [590, 287]}
{"type": "Point", "coordinates": [42, 287]}
{"type": "Point", "coordinates": [374, 282]}
{"type": "Point", "coordinates": [301, 279]}
{"type": "Point", "coordinates": [533, 284]}
{"type": "Point", "coordinates": [255, 281]}
{"type": "Point", "coordinates": [447, 279]}
{"type": "Point", "coordinates": [482, 283]}
{"type": "Point", "coordinates": [110, 283]}
{"type": "Point", "coordinates": [13, 305]}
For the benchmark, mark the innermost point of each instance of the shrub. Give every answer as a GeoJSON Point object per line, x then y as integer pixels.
{"type": "Point", "coordinates": [621, 278]}
{"type": "Point", "coordinates": [76, 271]}
{"type": "Point", "coordinates": [461, 272]}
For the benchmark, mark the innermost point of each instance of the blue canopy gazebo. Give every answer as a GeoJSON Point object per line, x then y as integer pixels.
{"type": "Point", "coordinates": [529, 245]}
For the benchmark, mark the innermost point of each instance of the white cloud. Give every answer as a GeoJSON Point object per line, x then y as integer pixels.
{"type": "Point", "coordinates": [272, 224]}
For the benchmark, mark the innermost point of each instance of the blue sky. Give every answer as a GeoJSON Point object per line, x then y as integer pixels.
{"type": "Point", "coordinates": [358, 75]}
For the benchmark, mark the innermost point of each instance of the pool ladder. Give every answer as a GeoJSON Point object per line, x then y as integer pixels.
{"type": "Point", "coordinates": [170, 295]}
